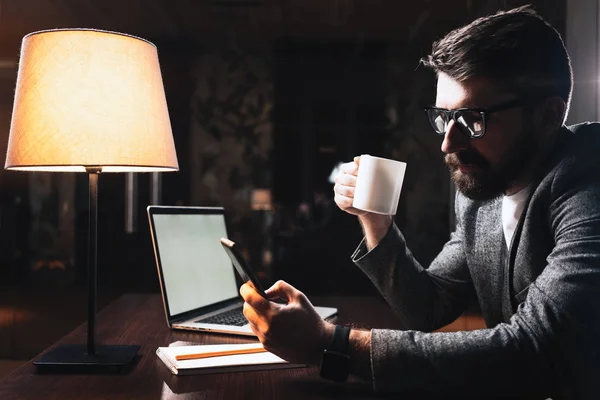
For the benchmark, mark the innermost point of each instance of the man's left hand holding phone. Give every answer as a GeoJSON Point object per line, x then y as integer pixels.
{"type": "Point", "coordinates": [293, 330]}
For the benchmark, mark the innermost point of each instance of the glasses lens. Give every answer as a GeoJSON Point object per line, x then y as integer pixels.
{"type": "Point", "coordinates": [438, 121]}
{"type": "Point", "coordinates": [471, 121]}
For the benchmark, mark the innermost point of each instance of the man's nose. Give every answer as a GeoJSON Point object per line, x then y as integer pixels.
{"type": "Point", "coordinates": [454, 139]}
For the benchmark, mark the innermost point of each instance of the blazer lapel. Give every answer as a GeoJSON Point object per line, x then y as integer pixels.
{"type": "Point", "coordinates": [488, 270]}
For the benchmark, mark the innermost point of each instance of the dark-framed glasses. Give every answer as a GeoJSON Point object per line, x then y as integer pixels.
{"type": "Point", "coordinates": [471, 121]}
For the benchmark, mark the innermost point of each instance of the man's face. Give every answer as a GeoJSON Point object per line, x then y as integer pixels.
{"type": "Point", "coordinates": [485, 167]}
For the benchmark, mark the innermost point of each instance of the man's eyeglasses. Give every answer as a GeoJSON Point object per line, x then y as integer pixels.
{"type": "Point", "coordinates": [471, 121]}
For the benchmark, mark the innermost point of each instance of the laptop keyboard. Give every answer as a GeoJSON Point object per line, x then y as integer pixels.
{"type": "Point", "coordinates": [232, 317]}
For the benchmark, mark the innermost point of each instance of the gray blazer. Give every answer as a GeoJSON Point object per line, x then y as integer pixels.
{"type": "Point", "coordinates": [540, 300]}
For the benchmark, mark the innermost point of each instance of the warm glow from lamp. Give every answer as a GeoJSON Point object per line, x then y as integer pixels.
{"type": "Point", "coordinates": [89, 101]}
{"type": "Point", "coordinates": [88, 98]}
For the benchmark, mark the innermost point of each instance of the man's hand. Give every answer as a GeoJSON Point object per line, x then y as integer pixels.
{"type": "Point", "coordinates": [345, 184]}
{"type": "Point", "coordinates": [374, 226]}
{"type": "Point", "coordinates": [293, 331]}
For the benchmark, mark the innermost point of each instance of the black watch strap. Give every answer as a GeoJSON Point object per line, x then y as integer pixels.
{"type": "Point", "coordinates": [340, 339]}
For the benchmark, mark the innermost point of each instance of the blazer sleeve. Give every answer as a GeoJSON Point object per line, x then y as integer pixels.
{"type": "Point", "coordinates": [424, 299]}
{"type": "Point", "coordinates": [550, 346]}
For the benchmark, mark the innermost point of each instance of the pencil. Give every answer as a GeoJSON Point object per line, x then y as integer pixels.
{"type": "Point", "coordinates": [218, 353]}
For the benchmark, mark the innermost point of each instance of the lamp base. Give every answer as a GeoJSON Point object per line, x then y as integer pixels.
{"type": "Point", "coordinates": [73, 358]}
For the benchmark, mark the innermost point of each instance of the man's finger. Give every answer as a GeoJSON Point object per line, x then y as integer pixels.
{"type": "Point", "coordinates": [252, 297]}
{"type": "Point", "coordinates": [343, 202]}
{"type": "Point", "coordinates": [249, 313]}
{"type": "Point", "coordinates": [282, 289]}
{"type": "Point", "coordinates": [345, 180]}
{"type": "Point", "coordinates": [245, 291]}
{"type": "Point", "coordinates": [260, 321]}
{"type": "Point", "coordinates": [257, 332]}
{"type": "Point", "coordinates": [349, 168]}
{"type": "Point", "coordinates": [347, 191]}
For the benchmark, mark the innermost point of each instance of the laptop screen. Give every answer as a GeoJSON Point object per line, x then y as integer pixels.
{"type": "Point", "coordinates": [196, 271]}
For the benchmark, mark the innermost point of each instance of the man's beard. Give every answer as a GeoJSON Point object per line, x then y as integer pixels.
{"type": "Point", "coordinates": [490, 181]}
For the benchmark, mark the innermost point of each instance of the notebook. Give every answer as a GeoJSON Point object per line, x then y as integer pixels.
{"type": "Point", "coordinates": [219, 364]}
{"type": "Point", "coordinates": [197, 279]}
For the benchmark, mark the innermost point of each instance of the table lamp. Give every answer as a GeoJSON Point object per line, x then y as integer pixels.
{"type": "Point", "coordinates": [89, 101]}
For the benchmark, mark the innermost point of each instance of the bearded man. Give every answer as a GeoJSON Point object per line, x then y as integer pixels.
{"type": "Point", "coordinates": [526, 246]}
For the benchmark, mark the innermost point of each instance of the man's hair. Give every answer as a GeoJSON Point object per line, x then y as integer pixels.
{"type": "Point", "coordinates": [516, 50]}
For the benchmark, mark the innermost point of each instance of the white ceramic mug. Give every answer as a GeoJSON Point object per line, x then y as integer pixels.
{"type": "Point", "coordinates": [378, 184]}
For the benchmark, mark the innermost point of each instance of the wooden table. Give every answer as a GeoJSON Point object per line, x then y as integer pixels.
{"type": "Point", "coordinates": [139, 319]}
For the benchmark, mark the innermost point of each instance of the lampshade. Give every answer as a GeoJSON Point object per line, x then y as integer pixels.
{"type": "Point", "coordinates": [89, 98]}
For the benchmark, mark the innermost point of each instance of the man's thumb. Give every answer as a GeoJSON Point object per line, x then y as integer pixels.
{"type": "Point", "coordinates": [281, 289]}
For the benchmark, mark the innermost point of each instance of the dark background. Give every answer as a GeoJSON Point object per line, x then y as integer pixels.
{"type": "Point", "coordinates": [262, 94]}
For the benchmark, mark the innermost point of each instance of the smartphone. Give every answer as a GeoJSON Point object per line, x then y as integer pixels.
{"type": "Point", "coordinates": [242, 267]}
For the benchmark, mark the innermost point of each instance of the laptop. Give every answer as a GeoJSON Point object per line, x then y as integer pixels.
{"type": "Point", "coordinates": [198, 282]}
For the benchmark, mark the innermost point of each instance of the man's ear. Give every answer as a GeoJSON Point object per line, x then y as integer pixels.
{"type": "Point", "coordinates": [550, 114]}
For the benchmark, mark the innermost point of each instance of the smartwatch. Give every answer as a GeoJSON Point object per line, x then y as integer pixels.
{"type": "Point", "coordinates": [335, 362]}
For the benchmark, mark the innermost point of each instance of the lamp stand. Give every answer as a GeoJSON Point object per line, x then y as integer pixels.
{"type": "Point", "coordinates": [90, 358]}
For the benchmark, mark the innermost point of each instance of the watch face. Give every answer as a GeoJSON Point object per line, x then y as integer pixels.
{"type": "Point", "coordinates": [335, 366]}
